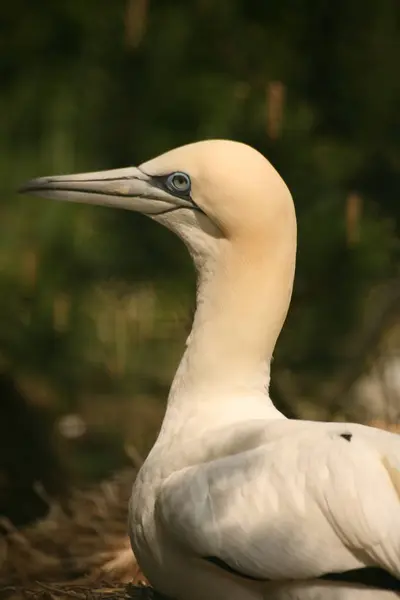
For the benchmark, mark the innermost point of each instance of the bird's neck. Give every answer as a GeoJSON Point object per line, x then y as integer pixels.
{"type": "Point", "coordinates": [242, 300]}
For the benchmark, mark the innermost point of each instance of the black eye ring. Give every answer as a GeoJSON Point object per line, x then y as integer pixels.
{"type": "Point", "coordinates": [179, 183]}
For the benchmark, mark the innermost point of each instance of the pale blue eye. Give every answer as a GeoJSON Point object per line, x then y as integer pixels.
{"type": "Point", "coordinates": [179, 183]}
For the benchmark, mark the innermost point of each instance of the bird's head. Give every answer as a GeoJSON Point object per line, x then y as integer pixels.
{"type": "Point", "coordinates": [206, 192]}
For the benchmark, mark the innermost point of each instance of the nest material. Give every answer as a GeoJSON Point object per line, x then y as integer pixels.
{"type": "Point", "coordinates": [98, 591]}
{"type": "Point", "coordinates": [82, 544]}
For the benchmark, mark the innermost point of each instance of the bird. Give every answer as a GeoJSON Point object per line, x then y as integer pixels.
{"type": "Point", "coordinates": [236, 501]}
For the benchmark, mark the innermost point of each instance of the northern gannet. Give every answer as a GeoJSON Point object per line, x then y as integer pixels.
{"type": "Point", "coordinates": [236, 502]}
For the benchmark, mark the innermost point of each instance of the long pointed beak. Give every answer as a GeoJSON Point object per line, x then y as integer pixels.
{"type": "Point", "coordinates": [128, 188]}
{"type": "Point", "coordinates": [118, 187]}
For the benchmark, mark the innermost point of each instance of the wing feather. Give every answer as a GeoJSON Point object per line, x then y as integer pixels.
{"type": "Point", "coordinates": [302, 505]}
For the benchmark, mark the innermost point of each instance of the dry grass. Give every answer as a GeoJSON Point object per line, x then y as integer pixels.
{"type": "Point", "coordinates": [94, 591]}
{"type": "Point", "coordinates": [80, 550]}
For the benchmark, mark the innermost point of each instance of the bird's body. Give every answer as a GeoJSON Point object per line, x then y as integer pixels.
{"type": "Point", "coordinates": [273, 500]}
{"type": "Point", "coordinates": [235, 501]}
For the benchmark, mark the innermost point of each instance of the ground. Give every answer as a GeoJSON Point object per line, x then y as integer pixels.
{"type": "Point", "coordinates": [80, 550]}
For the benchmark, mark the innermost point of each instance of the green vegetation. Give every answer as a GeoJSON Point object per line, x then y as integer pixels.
{"type": "Point", "coordinates": [94, 302]}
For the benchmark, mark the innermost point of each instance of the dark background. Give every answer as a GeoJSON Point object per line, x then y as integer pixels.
{"type": "Point", "coordinates": [95, 304]}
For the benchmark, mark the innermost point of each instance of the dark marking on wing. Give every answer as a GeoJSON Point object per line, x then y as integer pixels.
{"type": "Point", "coordinates": [371, 577]}
{"type": "Point", "coordinates": [346, 436]}
{"type": "Point", "coordinates": [223, 565]}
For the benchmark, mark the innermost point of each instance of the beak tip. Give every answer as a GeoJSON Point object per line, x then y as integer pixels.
{"type": "Point", "coordinates": [24, 188]}
{"type": "Point", "coordinates": [33, 185]}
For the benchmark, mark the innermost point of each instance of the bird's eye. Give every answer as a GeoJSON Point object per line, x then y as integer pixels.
{"type": "Point", "coordinates": [179, 183]}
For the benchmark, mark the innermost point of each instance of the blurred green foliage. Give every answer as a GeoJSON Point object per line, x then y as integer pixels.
{"type": "Point", "coordinates": [312, 84]}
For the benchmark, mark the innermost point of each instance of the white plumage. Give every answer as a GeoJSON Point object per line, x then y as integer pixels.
{"type": "Point", "coordinates": [235, 501]}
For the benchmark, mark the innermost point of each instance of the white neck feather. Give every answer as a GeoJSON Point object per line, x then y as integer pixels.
{"type": "Point", "coordinates": [243, 295]}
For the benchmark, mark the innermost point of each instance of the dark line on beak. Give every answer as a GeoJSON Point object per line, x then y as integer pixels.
{"type": "Point", "coordinates": [112, 194]}
{"type": "Point", "coordinates": [32, 186]}
{"type": "Point", "coordinates": [125, 177]}
{"type": "Point", "coordinates": [49, 189]}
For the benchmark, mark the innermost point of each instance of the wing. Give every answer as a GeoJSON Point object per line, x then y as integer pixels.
{"type": "Point", "coordinates": [320, 500]}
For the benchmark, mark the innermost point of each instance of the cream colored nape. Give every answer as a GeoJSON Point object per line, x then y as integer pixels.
{"type": "Point", "coordinates": [233, 183]}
